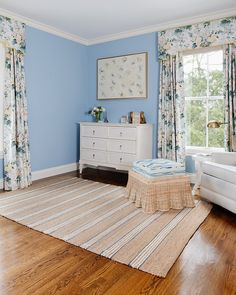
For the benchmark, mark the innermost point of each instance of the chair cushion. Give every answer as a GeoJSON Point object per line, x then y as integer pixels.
{"type": "Point", "coordinates": [225, 172]}
{"type": "Point", "coordinates": [157, 167]}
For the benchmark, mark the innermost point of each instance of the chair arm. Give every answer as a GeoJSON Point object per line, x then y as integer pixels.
{"type": "Point", "coordinates": [225, 158]}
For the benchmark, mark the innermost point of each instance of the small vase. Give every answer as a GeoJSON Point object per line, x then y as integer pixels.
{"type": "Point", "coordinates": [98, 117]}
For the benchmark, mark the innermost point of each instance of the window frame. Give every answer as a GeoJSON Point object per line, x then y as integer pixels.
{"type": "Point", "coordinates": [191, 150]}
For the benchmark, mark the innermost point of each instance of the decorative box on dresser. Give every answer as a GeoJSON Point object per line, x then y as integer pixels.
{"type": "Point", "coordinates": [114, 145]}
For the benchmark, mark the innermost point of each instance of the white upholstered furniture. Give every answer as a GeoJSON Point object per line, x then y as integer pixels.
{"type": "Point", "coordinates": [114, 145]}
{"type": "Point", "coordinates": [199, 159]}
{"type": "Point", "coordinates": [218, 180]}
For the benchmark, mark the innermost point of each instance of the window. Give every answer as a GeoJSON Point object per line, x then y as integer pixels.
{"type": "Point", "coordinates": [2, 61]}
{"type": "Point", "coordinates": [203, 84]}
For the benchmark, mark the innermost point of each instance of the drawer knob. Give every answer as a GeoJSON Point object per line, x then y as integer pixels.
{"type": "Point", "coordinates": [120, 146]}
{"type": "Point", "coordinates": [121, 133]}
{"type": "Point", "coordinates": [93, 132]}
{"type": "Point", "coordinates": [93, 143]}
{"type": "Point", "coordinates": [120, 159]}
{"type": "Point", "coordinates": [93, 156]}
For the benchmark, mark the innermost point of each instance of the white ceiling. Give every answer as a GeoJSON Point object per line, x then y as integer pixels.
{"type": "Point", "coordinates": [94, 20]}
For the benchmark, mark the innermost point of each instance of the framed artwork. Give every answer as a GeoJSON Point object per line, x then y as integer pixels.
{"type": "Point", "coordinates": [122, 76]}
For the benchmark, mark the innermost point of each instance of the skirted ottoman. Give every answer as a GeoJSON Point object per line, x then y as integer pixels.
{"type": "Point", "coordinates": [159, 185]}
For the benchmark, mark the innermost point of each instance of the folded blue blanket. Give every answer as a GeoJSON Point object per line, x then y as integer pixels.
{"type": "Point", "coordinates": [158, 167]}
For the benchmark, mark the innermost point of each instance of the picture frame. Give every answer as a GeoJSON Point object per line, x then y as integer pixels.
{"type": "Point", "coordinates": [137, 118]}
{"type": "Point", "coordinates": [124, 119]}
{"type": "Point", "coordinates": [123, 76]}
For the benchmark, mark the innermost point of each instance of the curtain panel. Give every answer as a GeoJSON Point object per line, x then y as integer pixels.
{"type": "Point", "coordinates": [17, 168]}
{"type": "Point", "coordinates": [230, 96]}
{"type": "Point", "coordinates": [171, 123]}
{"type": "Point", "coordinates": [12, 33]}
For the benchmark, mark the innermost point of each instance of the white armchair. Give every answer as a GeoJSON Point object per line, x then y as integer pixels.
{"type": "Point", "coordinates": [218, 181]}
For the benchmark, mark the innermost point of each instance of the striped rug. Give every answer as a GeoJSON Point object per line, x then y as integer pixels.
{"type": "Point", "coordinates": [97, 217]}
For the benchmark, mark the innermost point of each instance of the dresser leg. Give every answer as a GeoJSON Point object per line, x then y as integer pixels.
{"type": "Point", "coordinates": [81, 166]}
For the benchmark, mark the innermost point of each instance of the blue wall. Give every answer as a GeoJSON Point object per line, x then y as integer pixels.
{"type": "Point", "coordinates": [57, 90]}
{"type": "Point", "coordinates": [117, 108]}
{"type": "Point", "coordinates": [61, 87]}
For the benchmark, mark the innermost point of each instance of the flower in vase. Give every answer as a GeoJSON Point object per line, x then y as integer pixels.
{"type": "Point", "coordinates": [96, 112]}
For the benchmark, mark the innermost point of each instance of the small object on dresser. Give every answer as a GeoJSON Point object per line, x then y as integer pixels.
{"type": "Point", "coordinates": [124, 120]}
{"type": "Point", "coordinates": [96, 112]}
{"type": "Point", "coordinates": [142, 118]}
{"type": "Point", "coordinates": [137, 118]}
{"type": "Point", "coordinates": [134, 117]}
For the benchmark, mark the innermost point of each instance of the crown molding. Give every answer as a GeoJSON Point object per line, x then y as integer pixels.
{"type": "Point", "coordinates": [122, 35]}
{"type": "Point", "coordinates": [164, 26]}
{"type": "Point", "coordinates": [44, 27]}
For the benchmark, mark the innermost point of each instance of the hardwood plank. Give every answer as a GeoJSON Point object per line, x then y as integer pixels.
{"type": "Point", "coordinates": [34, 263]}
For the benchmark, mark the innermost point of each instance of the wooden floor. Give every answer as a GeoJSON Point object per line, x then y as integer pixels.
{"type": "Point", "coordinates": [34, 263]}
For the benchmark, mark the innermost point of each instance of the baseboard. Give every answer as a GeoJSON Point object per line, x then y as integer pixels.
{"type": "Point", "coordinates": [54, 171]}
{"type": "Point", "coordinates": [40, 174]}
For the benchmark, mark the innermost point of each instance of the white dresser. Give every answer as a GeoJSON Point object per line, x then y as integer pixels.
{"type": "Point", "coordinates": [114, 145]}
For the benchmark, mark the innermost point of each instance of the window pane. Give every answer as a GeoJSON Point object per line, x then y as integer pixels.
{"type": "Point", "coordinates": [195, 75]}
{"type": "Point", "coordinates": [196, 123]}
{"type": "Point", "coordinates": [215, 57]}
{"type": "Point", "coordinates": [216, 82]}
{"type": "Point", "coordinates": [216, 112]}
{"type": "Point", "coordinates": [215, 67]}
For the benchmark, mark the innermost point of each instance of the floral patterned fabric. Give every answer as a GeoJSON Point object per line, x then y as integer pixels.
{"type": "Point", "coordinates": [13, 33]}
{"type": "Point", "coordinates": [230, 96]}
{"type": "Point", "coordinates": [171, 127]}
{"type": "Point", "coordinates": [171, 44]}
{"type": "Point", "coordinates": [213, 33]}
{"type": "Point", "coordinates": [17, 168]}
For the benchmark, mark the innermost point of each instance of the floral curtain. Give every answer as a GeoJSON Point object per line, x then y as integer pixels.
{"type": "Point", "coordinates": [171, 134]}
{"type": "Point", "coordinates": [206, 34]}
{"type": "Point", "coordinates": [230, 96]}
{"type": "Point", "coordinates": [171, 44]}
{"type": "Point", "coordinates": [12, 33]}
{"type": "Point", "coordinates": [17, 168]}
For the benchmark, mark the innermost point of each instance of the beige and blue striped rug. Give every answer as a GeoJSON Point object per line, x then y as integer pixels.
{"type": "Point", "coordinates": [97, 217]}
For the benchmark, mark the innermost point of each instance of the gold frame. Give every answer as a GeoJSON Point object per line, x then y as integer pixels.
{"type": "Point", "coordinates": [146, 76]}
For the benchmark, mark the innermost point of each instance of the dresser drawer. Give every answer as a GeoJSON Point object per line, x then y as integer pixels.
{"type": "Point", "coordinates": [94, 131]}
{"type": "Point", "coordinates": [93, 143]}
{"type": "Point", "coordinates": [123, 133]}
{"type": "Point", "coordinates": [125, 146]}
{"type": "Point", "coordinates": [97, 156]}
{"type": "Point", "coordinates": [121, 158]}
